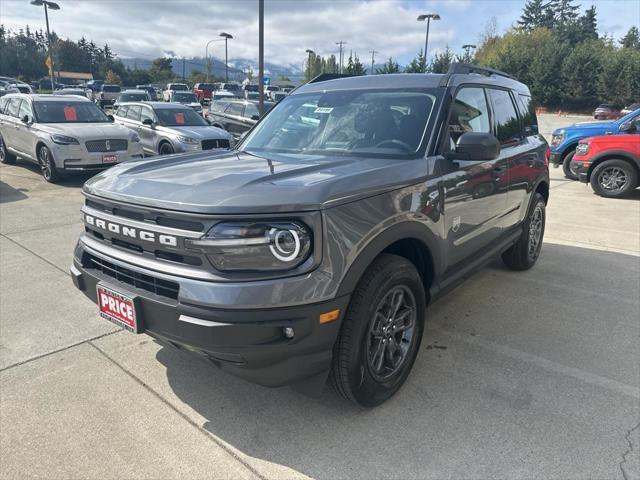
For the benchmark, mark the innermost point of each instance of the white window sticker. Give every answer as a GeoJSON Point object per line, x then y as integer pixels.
{"type": "Point", "coordinates": [323, 110]}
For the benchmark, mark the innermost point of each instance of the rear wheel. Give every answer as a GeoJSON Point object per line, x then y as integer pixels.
{"type": "Point", "coordinates": [614, 178]}
{"type": "Point", "coordinates": [381, 332]}
{"type": "Point", "coordinates": [48, 165]}
{"type": "Point", "coordinates": [525, 252]}
{"type": "Point", "coordinates": [566, 166]}
{"type": "Point", "coordinates": [166, 149]}
{"type": "Point", "coordinates": [5, 156]}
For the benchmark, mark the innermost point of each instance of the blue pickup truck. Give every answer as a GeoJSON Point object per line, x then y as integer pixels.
{"type": "Point", "coordinates": [565, 140]}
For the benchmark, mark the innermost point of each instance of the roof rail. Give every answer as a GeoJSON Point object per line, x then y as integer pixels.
{"type": "Point", "coordinates": [466, 68]}
{"type": "Point", "coordinates": [323, 77]}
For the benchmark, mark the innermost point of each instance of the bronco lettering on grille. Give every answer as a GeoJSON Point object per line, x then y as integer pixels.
{"type": "Point", "coordinates": [144, 235]}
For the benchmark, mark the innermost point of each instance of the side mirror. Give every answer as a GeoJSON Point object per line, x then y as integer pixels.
{"type": "Point", "coordinates": [477, 147]}
{"type": "Point", "coordinates": [111, 119]}
{"type": "Point", "coordinates": [628, 127]}
{"type": "Point", "coordinates": [148, 121]}
{"type": "Point", "coordinates": [255, 117]}
{"type": "Point", "coordinates": [26, 120]}
{"type": "Point", "coordinates": [206, 119]}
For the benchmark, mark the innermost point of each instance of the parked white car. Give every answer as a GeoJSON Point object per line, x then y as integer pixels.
{"type": "Point", "coordinates": [62, 133]}
{"type": "Point", "coordinates": [188, 99]}
{"type": "Point", "coordinates": [173, 87]}
{"type": "Point", "coordinates": [167, 128]}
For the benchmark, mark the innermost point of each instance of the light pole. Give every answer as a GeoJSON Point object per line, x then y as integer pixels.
{"type": "Point", "coordinates": [373, 59]}
{"type": "Point", "coordinates": [52, 6]}
{"type": "Point", "coordinates": [310, 52]}
{"type": "Point", "coordinates": [342, 44]}
{"type": "Point", "coordinates": [428, 17]}
{"type": "Point", "coordinates": [468, 48]}
{"type": "Point", "coordinates": [206, 55]}
{"type": "Point", "coordinates": [226, 37]}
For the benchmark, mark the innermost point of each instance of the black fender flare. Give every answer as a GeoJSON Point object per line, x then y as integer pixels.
{"type": "Point", "coordinates": [609, 155]}
{"type": "Point", "coordinates": [405, 230]}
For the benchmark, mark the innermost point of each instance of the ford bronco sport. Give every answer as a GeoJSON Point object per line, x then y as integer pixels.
{"type": "Point", "coordinates": [311, 251]}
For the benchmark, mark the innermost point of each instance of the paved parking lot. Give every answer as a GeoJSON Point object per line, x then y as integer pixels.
{"type": "Point", "coordinates": [521, 375]}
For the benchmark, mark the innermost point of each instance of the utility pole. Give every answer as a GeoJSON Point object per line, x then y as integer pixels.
{"type": "Point", "coordinates": [310, 52]}
{"type": "Point", "coordinates": [342, 44]}
{"type": "Point", "coordinates": [373, 59]}
{"type": "Point", "coordinates": [261, 55]}
{"type": "Point", "coordinates": [183, 62]}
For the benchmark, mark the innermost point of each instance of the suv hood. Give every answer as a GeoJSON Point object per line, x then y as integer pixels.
{"type": "Point", "coordinates": [237, 182]}
{"type": "Point", "coordinates": [83, 131]}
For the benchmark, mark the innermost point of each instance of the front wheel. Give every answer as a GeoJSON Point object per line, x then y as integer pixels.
{"type": "Point", "coordinates": [566, 166]}
{"type": "Point", "coordinates": [166, 149]}
{"type": "Point", "coordinates": [381, 332]}
{"type": "Point", "coordinates": [525, 252]}
{"type": "Point", "coordinates": [614, 178]}
{"type": "Point", "coordinates": [48, 165]}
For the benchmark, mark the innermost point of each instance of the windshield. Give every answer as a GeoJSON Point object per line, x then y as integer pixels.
{"type": "Point", "coordinates": [206, 87]}
{"type": "Point", "coordinates": [69, 112]}
{"type": "Point", "coordinates": [231, 87]}
{"type": "Point", "coordinates": [179, 117]}
{"type": "Point", "coordinates": [133, 97]}
{"type": "Point", "coordinates": [252, 88]}
{"type": "Point", "coordinates": [185, 97]}
{"type": "Point", "coordinates": [110, 88]}
{"type": "Point", "coordinates": [179, 86]}
{"type": "Point", "coordinates": [351, 122]}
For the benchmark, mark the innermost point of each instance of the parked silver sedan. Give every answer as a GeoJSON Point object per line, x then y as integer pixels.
{"type": "Point", "coordinates": [167, 128]}
{"type": "Point", "coordinates": [62, 134]}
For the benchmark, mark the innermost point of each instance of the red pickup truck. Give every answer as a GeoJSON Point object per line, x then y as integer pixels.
{"type": "Point", "coordinates": [611, 163]}
{"type": "Point", "coordinates": [203, 91]}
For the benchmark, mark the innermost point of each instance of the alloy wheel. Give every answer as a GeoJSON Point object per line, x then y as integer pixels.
{"type": "Point", "coordinates": [613, 179]}
{"type": "Point", "coordinates": [535, 231]}
{"type": "Point", "coordinates": [391, 333]}
{"type": "Point", "coordinates": [45, 164]}
{"type": "Point", "coordinates": [3, 154]}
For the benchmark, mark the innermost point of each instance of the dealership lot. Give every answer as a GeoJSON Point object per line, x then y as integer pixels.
{"type": "Point", "coordinates": [505, 386]}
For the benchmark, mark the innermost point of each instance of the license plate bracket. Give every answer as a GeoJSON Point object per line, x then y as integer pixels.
{"type": "Point", "coordinates": [110, 159]}
{"type": "Point", "coordinates": [118, 308]}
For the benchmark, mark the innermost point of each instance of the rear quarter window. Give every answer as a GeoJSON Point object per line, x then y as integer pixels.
{"type": "Point", "coordinates": [528, 114]}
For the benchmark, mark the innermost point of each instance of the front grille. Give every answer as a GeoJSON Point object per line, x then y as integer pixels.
{"type": "Point", "coordinates": [162, 288]}
{"type": "Point", "coordinates": [110, 145]}
{"type": "Point", "coordinates": [218, 143]}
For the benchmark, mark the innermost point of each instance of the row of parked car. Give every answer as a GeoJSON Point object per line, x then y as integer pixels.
{"type": "Point", "coordinates": [604, 154]}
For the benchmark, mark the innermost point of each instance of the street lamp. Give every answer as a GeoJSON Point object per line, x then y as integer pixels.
{"type": "Point", "coordinates": [226, 37]}
{"type": "Point", "coordinates": [428, 17]}
{"type": "Point", "coordinates": [52, 6]}
{"type": "Point", "coordinates": [310, 52]}
{"type": "Point", "coordinates": [468, 48]}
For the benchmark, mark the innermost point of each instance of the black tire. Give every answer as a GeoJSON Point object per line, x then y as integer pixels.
{"type": "Point", "coordinates": [566, 166]}
{"type": "Point", "coordinates": [6, 157]}
{"type": "Point", "coordinates": [525, 252]}
{"type": "Point", "coordinates": [47, 165]}
{"type": "Point", "coordinates": [390, 280]}
{"type": "Point", "coordinates": [165, 149]}
{"type": "Point", "coordinates": [614, 178]}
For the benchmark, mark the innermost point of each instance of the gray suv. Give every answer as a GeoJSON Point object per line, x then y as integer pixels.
{"type": "Point", "coordinates": [167, 128]}
{"type": "Point", "coordinates": [311, 251]}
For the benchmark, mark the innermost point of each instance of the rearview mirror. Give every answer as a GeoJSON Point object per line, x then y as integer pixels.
{"type": "Point", "coordinates": [477, 146]}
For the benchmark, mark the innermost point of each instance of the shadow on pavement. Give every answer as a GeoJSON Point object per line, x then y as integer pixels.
{"type": "Point", "coordinates": [467, 410]}
{"type": "Point", "coordinates": [9, 194]}
{"type": "Point", "coordinates": [72, 180]}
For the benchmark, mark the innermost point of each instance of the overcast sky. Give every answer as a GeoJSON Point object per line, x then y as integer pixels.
{"type": "Point", "coordinates": [151, 28]}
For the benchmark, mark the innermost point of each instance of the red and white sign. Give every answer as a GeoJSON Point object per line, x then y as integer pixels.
{"type": "Point", "coordinates": [117, 308]}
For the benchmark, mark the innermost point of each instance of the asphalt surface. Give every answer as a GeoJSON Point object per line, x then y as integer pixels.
{"type": "Point", "coordinates": [521, 375]}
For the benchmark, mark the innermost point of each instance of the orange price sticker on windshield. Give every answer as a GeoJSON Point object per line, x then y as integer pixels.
{"type": "Point", "coordinates": [180, 118]}
{"type": "Point", "coordinates": [70, 114]}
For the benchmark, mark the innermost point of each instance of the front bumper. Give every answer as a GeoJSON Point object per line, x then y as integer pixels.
{"type": "Point", "coordinates": [581, 169]}
{"type": "Point", "coordinates": [76, 158]}
{"type": "Point", "coordinates": [555, 158]}
{"type": "Point", "coordinates": [248, 342]}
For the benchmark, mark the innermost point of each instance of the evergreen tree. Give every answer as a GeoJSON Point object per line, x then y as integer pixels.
{"type": "Point", "coordinates": [389, 67]}
{"type": "Point", "coordinates": [354, 66]}
{"type": "Point", "coordinates": [631, 39]}
{"type": "Point", "coordinates": [534, 15]}
{"type": "Point", "coordinates": [417, 65]}
{"type": "Point", "coordinates": [589, 24]}
{"type": "Point", "coordinates": [441, 61]}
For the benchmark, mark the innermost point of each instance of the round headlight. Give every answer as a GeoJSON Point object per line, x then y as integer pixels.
{"type": "Point", "coordinates": [285, 244]}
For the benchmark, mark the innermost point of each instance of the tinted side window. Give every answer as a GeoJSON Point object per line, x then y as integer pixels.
{"type": "Point", "coordinates": [528, 114]}
{"type": "Point", "coordinates": [506, 120]}
{"type": "Point", "coordinates": [134, 113]}
{"type": "Point", "coordinates": [469, 113]}
{"type": "Point", "coordinates": [3, 104]}
{"type": "Point", "coordinates": [25, 110]}
{"type": "Point", "coordinates": [13, 107]}
{"type": "Point", "coordinates": [251, 110]}
{"type": "Point", "coordinates": [235, 109]}
{"type": "Point", "coordinates": [146, 113]}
